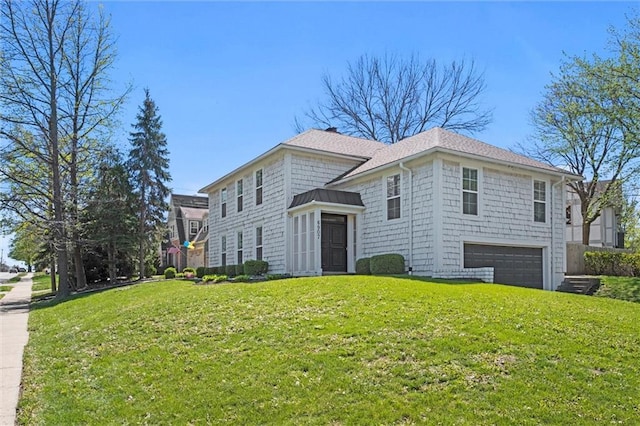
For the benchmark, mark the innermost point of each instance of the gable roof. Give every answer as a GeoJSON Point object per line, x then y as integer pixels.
{"type": "Point", "coordinates": [438, 139]}
{"type": "Point", "coordinates": [314, 140]}
{"type": "Point", "coordinates": [332, 141]}
{"type": "Point", "coordinates": [195, 201]}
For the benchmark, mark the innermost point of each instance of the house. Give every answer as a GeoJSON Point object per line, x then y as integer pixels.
{"type": "Point", "coordinates": [454, 207]}
{"type": "Point", "coordinates": [186, 222]}
{"type": "Point", "coordinates": [606, 230]}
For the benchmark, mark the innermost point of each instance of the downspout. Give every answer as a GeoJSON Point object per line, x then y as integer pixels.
{"type": "Point", "coordinates": [553, 233]}
{"type": "Point", "coordinates": [402, 167]}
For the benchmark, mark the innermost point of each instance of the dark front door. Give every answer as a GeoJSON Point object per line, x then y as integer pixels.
{"type": "Point", "coordinates": [334, 243]}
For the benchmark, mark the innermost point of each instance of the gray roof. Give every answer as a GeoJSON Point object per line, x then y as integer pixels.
{"type": "Point", "coordinates": [444, 140]}
{"type": "Point", "coordinates": [324, 140]}
{"type": "Point", "coordinates": [198, 202]}
{"type": "Point", "coordinates": [327, 196]}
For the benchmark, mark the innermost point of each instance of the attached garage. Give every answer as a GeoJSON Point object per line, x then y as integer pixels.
{"type": "Point", "coordinates": [521, 266]}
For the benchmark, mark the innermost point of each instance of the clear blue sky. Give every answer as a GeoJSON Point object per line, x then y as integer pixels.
{"type": "Point", "coordinates": [229, 77]}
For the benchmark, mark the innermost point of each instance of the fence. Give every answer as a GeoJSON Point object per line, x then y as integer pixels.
{"type": "Point", "coordinates": [575, 256]}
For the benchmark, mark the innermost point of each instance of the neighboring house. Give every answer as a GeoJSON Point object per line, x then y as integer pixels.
{"type": "Point", "coordinates": [606, 230]}
{"type": "Point", "coordinates": [186, 222]}
{"type": "Point", "coordinates": [452, 206]}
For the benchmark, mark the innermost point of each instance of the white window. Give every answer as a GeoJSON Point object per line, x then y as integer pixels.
{"type": "Point", "coordinates": [258, 187]}
{"type": "Point", "coordinates": [223, 201]}
{"type": "Point", "coordinates": [469, 191]}
{"type": "Point", "coordinates": [259, 243]}
{"type": "Point", "coordinates": [194, 227]}
{"type": "Point", "coordinates": [205, 223]}
{"type": "Point", "coordinates": [239, 192]}
{"type": "Point", "coordinates": [223, 250]}
{"type": "Point", "coordinates": [239, 248]}
{"type": "Point", "coordinates": [393, 197]}
{"type": "Point", "coordinates": [539, 201]}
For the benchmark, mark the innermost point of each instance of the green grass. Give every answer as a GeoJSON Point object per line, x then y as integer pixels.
{"type": "Point", "coordinates": [332, 350]}
{"type": "Point", "coordinates": [6, 288]}
{"type": "Point", "coordinates": [41, 282]}
{"type": "Point", "coordinates": [623, 288]}
{"type": "Point", "coordinates": [15, 279]}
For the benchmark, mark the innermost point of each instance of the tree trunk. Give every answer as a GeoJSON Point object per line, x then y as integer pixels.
{"type": "Point", "coordinates": [53, 275]}
{"type": "Point", "coordinates": [586, 233]}
{"type": "Point", "coordinates": [111, 258]}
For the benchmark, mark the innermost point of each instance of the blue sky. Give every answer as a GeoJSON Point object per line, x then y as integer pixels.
{"type": "Point", "coordinates": [229, 77]}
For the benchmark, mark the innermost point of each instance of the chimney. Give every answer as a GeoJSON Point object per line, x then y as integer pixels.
{"type": "Point", "coordinates": [331, 129]}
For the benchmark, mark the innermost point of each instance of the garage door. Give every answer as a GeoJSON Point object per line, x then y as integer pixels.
{"type": "Point", "coordinates": [521, 266]}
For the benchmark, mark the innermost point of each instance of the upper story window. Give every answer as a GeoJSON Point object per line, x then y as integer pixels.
{"type": "Point", "coordinates": [239, 259]}
{"type": "Point", "coordinates": [259, 243]}
{"type": "Point", "coordinates": [194, 227]}
{"type": "Point", "coordinates": [469, 191]}
{"type": "Point", "coordinates": [223, 250]}
{"type": "Point", "coordinates": [539, 201]}
{"type": "Point", "coordinates": [205, 223]}
{"type": "Point", "coordinates": [258, 187]}
{"type": "Point", "coordinates": [223, 202]}
{"type": "Point", "coordinates": [239, 192]}
{"type": "Point", "coordinates": [393, 197]}
{"type": "Point", "coordinates": [568, 215]}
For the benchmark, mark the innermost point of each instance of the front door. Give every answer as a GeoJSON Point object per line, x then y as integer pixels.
{"type": "Point", "coordinates": [334, 243]}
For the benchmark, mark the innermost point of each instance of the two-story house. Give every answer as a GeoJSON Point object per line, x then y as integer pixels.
{"type": "Point", "coordinates": [451, 205]}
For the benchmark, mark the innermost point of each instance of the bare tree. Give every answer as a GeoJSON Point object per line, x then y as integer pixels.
{"type": "Point", "coordinates": [388, 99]}
{"type": "Point", "coordinates": [52, 103]}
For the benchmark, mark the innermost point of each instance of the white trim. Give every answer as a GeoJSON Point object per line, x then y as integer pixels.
{"type": "Point", "coordinates": [288, 197]}
{"type": "Point", "coordinates": [460, 155]}
{"type": "Point", "coordinates": [256, 187]}
{"type": "Point", "coordinates": [478, 192]}
{"type": "Point", "coordinates": [281, 146]}
{"type": "Point", "coordinates": [547, 194]}
{"type": "Point", "coordinates": [327, 208]}
{"type": "Point", "coordinates": [436, 203]}
{"type": "Point", "coordinates": [385, 199]}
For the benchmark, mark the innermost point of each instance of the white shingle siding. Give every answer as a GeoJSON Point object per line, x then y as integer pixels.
{"type": "Point", "coordinates": [313, 171]}
{"type": "Point", "coordinates": [433, 187]}
{"type": "Point", "coordinates": [270, 215]}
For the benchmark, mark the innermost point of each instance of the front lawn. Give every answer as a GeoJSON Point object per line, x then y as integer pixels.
{"type": "Point", "coordinates": [41, 282]}
{"type": "Point", "coordinates": [623, 288]}
{"type": "Point", "coordinates": [332, 350]}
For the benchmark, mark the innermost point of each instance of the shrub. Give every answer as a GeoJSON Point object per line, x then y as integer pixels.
{"type": "Point", "coordinates": [179, 275]}
{"type": "Point", "coordinates": [150, 270]}
{"type": "Point", "coordinates": [240, 269]}
{"type": "Point", "coordinates": [242, 278]}
{"type": "Point", "coordinates": [363, 266]}
{"type": "Point", "coordinates": [201, 271]}
{"type": "Point", "coordinates": [214, 278]}
{"type": "Point", "coordinates": [385, 264]}
{"type": "Point", "coordinates": [230, 270]}
{"type": "Point", "coordinates": [189, 272]}
{"type": "Point", "coordinates": [612, 263]}
{"type": "Point", "coordinates": [255, 267]}
{"type": "Point", "coordinates": [170, 272]}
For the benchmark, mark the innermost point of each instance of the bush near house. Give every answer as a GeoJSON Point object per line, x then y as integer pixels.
{"type": "Point", "coordinates": [363, 266]}
{"type": "Point", "coordinates": [201, 271]}
{"type": "Point", "coordinates": [189, 272]}
{"type": "Point", "coordinates": [240, 269]}
{"type": "Point", "coordinates": [609, 263]}
{"type": "Point", "coordinates": [242, 278]}
{"type": "Point", "coordinates": [170, 273]}
{"type": "Point", "coordinates": [255, 267]}
{"type": "Point", "coordinates": [214, 278]}
{"type": "Point", "coordinates": [230, 270]}
{"type": "Point", "coordinates": [387, 264]}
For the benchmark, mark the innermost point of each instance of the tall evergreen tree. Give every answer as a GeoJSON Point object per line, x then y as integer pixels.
{"type": "Point", "coordinates": [110, 215]}
{"type": "Point", "coordinates": [149, 167]}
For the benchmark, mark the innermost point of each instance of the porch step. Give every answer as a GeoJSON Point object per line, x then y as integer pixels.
{"type": "Point", "coordinates": [579, 285]}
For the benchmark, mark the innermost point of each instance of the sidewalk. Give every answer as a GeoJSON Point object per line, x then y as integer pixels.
{"type": "Point", "coordinates": [14, 313]}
